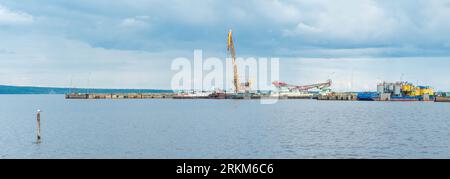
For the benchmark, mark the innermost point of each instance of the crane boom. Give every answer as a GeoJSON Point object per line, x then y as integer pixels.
{"type": "Point", "coordinates": [231, 50]}
{"type": "Point", "coordinates": [302, 88]}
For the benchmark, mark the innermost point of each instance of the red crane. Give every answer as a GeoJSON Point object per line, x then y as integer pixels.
{"type": "Point", "coordinates": [302, 88]}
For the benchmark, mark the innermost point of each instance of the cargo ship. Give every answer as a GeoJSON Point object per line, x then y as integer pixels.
{"type": "Point", "coordinates": [368, 96]}
{"type": "Point", "coordinates": [399, 91]}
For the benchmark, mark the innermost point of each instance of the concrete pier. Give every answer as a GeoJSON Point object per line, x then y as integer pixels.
{"type": "Point", "coordinates": [442, 99]}
{"type": "Point", "coordinates": [339, 97]}
{"type": "Point", "coordinates": [336, 96]}
{"type": "Point", "coordinates": [120, 96]}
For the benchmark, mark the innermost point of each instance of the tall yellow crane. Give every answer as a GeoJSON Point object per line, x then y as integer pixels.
{"type": "Point", "coordinates": [231, 50]}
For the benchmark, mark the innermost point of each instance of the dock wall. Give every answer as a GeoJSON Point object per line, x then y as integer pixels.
{"type": "Point", "coordinates": [120, 96]}
{"type": "Point", "coordinates": [339, 97]}
{"type": "Point", "coordinates": [442, 99]}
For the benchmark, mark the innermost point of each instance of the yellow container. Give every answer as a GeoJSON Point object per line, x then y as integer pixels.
{"type": "Point", "coordinates": [428, 91]}
{"type": "Point", "coordinates": [406, 88]}
{"type": "Point", "coordinates": [415, 92]}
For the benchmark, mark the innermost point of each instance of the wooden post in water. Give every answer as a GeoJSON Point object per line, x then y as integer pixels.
{"type": "Point", "coordinates": [38, 118]}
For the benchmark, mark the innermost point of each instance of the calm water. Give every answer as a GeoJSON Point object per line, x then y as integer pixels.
{"type": "Point", "coordinates": [222, 129]}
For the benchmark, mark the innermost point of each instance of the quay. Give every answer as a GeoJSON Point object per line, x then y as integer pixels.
{"type": "Point", "coordinates": [339, 96]}
{"type": "Point", "coordinates": [442, 99]}
{"type": "Point", "coordinates": [179, 96]}
{"type": "Point", "coordinates": [160, 96]}
{"type": "Point", "coordinates": [334, 96]}
{"type": "Point", "coordinates": [119, 96]}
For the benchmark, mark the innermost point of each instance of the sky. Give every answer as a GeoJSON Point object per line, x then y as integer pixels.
{"type": "Point", "coordinates": [131, 44]}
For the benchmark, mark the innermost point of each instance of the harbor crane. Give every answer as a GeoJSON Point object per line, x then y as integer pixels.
{"type": "Point", "coordinates": [320, 86]}
{"type": "Point", "coordinates": [232, 52]}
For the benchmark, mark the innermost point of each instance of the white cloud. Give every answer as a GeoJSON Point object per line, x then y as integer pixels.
{"type": "Point", "coordinates": [302, 28]}
{"type": "Point", "coordinates": [371, 23]}
{"type": "Point", "coordinates": [8, 16]}
{"type": "Point", "coordinates": [277, 11]}
{"type": "Point", "coordinates": [354, 20]}
{"type": "Point", "coordinates": [55, 61]}
{"type": "Point", "coordinates": [138, 21]}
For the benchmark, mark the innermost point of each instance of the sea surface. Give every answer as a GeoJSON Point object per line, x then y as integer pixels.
{"type": "Point", "coordinates": [168, 128]}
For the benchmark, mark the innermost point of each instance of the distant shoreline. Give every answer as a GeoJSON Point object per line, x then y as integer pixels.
{"type": "Point", "coordinates": [8, 89]}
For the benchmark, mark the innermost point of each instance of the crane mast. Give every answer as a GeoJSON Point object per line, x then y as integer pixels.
{"type": "Point", "coordinates": [232, 51]}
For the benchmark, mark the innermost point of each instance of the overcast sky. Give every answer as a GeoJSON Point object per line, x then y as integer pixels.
{"type": "Point", "coordinates": [131, 44]}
